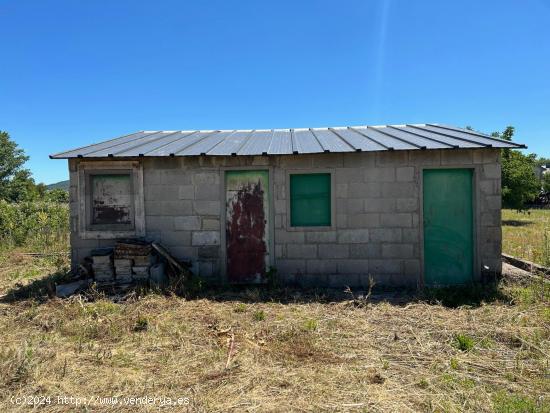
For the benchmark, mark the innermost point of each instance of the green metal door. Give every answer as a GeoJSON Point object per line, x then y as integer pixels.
{"type": "Point", "coordinates": [448, 226]}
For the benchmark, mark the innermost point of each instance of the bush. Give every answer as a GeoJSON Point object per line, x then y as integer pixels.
{"type": "Point", "coordinates": [40, 226]}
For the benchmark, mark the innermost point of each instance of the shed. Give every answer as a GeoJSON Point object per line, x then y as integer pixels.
{"type": "Point", "coordinates": [409, 205]}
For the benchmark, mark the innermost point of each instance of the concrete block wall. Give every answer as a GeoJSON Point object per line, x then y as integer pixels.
{"type": "Point", "coordinates": [377, 219]}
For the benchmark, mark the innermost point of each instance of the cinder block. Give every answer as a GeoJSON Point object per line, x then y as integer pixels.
{"type": "Point", "coordinates": [163, 163]}
{"type": "Point", "coordinates": [361, 159]}
{"type": "Point", "coordinates": [379, 205]}
{"type": "Point", "coordinates": [153, 207]}
{"type": "Point", "coordinates": [343, 280]}
{"type": "Point", "coordinates": [456, 157]}
{"type": "Point", "coordinates": [491, 171]}
{"type": "Point", "coordinates": [353, 236]}
{"type": "Point", "coordinates": [206, 178]}
{"type": "Point", "coordinates": [286, 279]}
{"type": "Point", "coordinates": [405, 174]}
{"type": "Point", "coordinates": [393, 158]}
{"type": "Point", "coordinates": [186, 192]}
{"type": "Point", "coordinates": [206, 269]}
{"type": "Point", "coordinates": [206, 238]}
{"type": "Point", "coordinates": [493, 202]}
{"type": "Point", "coordinates": [321, 266]}
{"type": "Point", "coordinates": [397, 251]}
{"type": "Point", "coordinates": [207, 192]}
{"type": "Point", "coordinates": [341, 190]}
{"type": "Point", "coordinates": [289, 266]}
{"type": "Point", "coordinates": [161, 193]}
{"type": "Point", "coordinates": [487, 186]}
{"type": "Point", "coordinates": [352, 206]}
{"type": "Point", "coordinates": [311, 280]}
{"type": "Point", "coordinates": [211, 223]}
{"type": "Point", "coordinates": [333, 251]}
{"type": "Point", "coordinates": [280, 206]}
{"type": "Point", "coordinates": [370, 220]}
{"type": "Point", "coordinates": [301, 251]}
{"type": "Point", "coordinates": [425, 158]}
{"type": "Point", "coordinates": [365, 190]}
{"type": "Point", "coordinates": [184, 252]}
{"type": "Point", "coordinates": [386, 266]}
{"type": "Point", "coordinates": [176, 208]}
{"type": "Point", "coordinates": [295, 161]}
{"type": "Point", "coordinates": [380, 175]}
{"type": "Point", "coordinates": [411, 235]}
{"type": "Point", "coordinates": [400, 220]}
{"type": "Point", "coordinates": [490, 218]}
{"type": "Point", "coordinates": [207, 207]}
{"type": "Point", "coordinates": [341, 221]}
{"type": "Point", "coordinates": [370, 250]}
{"type": "Point", "coordinates": [400, 190]}
{"type": "Point", "coordinates": [159, 223]}
{"type": "Point", "coordinates": [328, 160]}
{"type": "Point", "coordinates": [347, 175]}
{"type": "Point", "coordinates": [406, 204]}
{"type": "Point", "coordinates": [175, 239]}
{"type": "Point", "coordinates": [209, 251]}
{"type": "Point", "coordinates": [279, 176]}
{"type": "Point", "coordinates": [350, 266]}
{"type": "Point", "coordinates": [385, 235]}
{"type": "Point", "coordinates": [286, 237]}
{"type": "Point", "coordinates": [279, 251]}
{"type": "Point", "coordinates": [150, 177]}
{"type": "Point", "coordinates": [260, 160]}
{"type": "Point", "coordinates": [321, 237]}
{"type": "Point", "coordinates": [174, 177]}
{"type": "Point", "coordinates": [411, 268]}
{"type": "Point", "coordinates": [187, 223]}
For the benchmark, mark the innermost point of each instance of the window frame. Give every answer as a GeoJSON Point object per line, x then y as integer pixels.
{"type": "Point", "coordinates": [332, 200]}
{"type": "Point", "coordinates": [88, 230]}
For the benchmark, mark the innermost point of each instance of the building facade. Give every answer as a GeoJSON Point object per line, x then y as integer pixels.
{"type": "Point", "coordinates": [409, 217]}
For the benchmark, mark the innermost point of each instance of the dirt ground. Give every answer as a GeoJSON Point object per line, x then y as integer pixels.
{"type": "Point", "coordinates": [481, 350]}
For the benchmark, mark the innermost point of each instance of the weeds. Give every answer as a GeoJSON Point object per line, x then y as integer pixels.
{"type": "Point", "coordinates": [527, 236]}
{"type": "Point", "coordinates": [258, 315]}
{"type": "Point", "coordinates": [463, 342]}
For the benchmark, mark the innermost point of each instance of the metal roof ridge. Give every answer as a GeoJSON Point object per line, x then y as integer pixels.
{"type": "Point", "coordinates": [389, 148]}
{"type": "Point", "coordinates": [168, 143]}
{"type": "Point", "coordinates": [475, 133]}
{"type": "Point", "coordinates": [121, 143]}
{"type": "Point", "coordinates": [423, 137]}
{"type": "Point", "coordinates": [487, 145]}
{"type": "Point", "coordinates": [52, 156]}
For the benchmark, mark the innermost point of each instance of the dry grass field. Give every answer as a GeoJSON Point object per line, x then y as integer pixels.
{"type": "Point", "coordinates": [527, 234]}
{"type": "Point", "coordinates": [482, 350]}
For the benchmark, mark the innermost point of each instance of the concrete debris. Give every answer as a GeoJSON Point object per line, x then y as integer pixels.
{"type": "Point", "coordinates": [65, 290]}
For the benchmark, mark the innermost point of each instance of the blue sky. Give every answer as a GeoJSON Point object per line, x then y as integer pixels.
{"type": "Point", "coordinates": [73, 73]}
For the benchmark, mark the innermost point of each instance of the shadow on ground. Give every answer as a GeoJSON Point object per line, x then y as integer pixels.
{"type": "Point", "coordinates": [40, 289]}
{"type": "Point", "coordinates": [516, 223]}
{"type": "Point", "coordinates": [43, 289]}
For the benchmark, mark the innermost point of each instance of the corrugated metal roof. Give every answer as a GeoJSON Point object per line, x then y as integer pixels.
{"type": "Point", "coordinates": [288, 141]}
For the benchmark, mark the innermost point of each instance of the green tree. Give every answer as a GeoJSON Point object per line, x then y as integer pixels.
{"type": "Point", "coordinates": [519, 182]}
{"type": "Point", "coordinates": [57, 195]}
{"type": "Point", "coordinates": [12, 159]}
{"type": "Point", "coordinates": [546, 182]}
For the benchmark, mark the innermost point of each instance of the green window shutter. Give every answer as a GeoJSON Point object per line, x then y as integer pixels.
{"type": "Point", "coordinates": [310, 200]}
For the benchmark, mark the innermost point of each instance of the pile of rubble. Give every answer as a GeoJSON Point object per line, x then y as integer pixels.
{"type": "Point", "coordinates": [130, 262]}
{"type": "Point", "coordinates": [127, 262]}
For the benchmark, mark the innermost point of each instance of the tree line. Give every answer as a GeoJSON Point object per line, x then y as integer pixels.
{"type": "Point", "coordinates": [16, 181]}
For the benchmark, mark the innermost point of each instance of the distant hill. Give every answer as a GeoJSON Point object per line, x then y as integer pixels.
{"type": "Point", "coordinates": [59, 185]}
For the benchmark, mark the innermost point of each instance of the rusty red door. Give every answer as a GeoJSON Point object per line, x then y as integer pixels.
{"type": "Point", "coordinates": [247, 229]}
